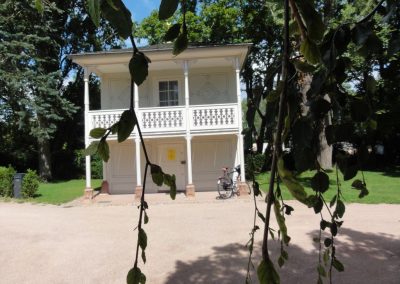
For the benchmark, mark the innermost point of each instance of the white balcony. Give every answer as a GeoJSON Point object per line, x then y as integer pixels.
{"type": "Point", "coordinates": [160, 121]}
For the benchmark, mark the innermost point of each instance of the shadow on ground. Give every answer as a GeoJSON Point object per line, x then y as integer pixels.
{"type": "Point", "coordinates": [368, 258]}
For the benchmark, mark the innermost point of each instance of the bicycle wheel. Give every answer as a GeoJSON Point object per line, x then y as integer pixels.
{"type": "Point", "coordinates": [225, 187]}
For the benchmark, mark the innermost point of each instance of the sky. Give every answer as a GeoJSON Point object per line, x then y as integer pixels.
{"type": "Point", "coordinates": [141, 8]}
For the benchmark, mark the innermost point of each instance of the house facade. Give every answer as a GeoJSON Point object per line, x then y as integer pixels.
{"type": "Point", "coordinates": [189, 111]}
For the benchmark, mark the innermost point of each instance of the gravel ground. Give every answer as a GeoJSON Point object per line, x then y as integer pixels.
{"type": "Point", "coordinates": [197, 240]}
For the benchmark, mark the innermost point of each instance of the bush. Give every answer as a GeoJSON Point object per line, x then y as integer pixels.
{"type": "Point", "coordinates": [6, 181]}
{"type": "Point", "coordinates": [95, 161]}
{"type": "Point", "coordinates": [257, 160]}
{"type": "Point", "coordinates": [30, 184]}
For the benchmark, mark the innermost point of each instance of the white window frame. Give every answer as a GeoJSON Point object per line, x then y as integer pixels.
{"type": "Point", "coordinates": [156, 93]}
{"type": "Point", "coordinates": [169, 101]}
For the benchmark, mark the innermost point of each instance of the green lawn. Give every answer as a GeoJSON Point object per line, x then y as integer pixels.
{"type": "Point", "coordinates": [59, 192]}
{"type": "Point", "coordinates": [384, 187]}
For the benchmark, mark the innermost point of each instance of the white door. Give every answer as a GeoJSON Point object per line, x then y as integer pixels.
{"type": "Point", "coordinates": [171, 158]}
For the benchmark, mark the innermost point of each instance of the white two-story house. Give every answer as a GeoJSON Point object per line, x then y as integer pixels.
{"type": "Point", "coordinates": [189, 111]}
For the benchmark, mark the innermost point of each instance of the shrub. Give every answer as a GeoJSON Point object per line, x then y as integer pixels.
{"type": "Point", "coordinates": [255, 159]}
{"type": "Point", "coordinates": [95, 161]}
{"type": "Point", "coordinates": [6, 181]}
{"type": "Point", "coordinates": [30, 184]}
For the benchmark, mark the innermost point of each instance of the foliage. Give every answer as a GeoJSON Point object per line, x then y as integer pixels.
{"type": "Point", "coordinates": [96, 164]}
{"type": "Point", "coordinates": [30, 184]}
{"type": "Point", "coordinates": [6, 181]}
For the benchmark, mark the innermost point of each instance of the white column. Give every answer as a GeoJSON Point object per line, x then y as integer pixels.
{"type": "Point", "coordinates": [87, 127]}
{"type": "Point", "coordinates": [137, 140]}
{"type": "Point", "coordinates": [240, 136]}
{"type": "Point", "coordinates": [188, 120]}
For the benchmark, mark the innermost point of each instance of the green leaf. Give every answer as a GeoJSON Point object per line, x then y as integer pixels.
{"type": "Point", "coordinates": [295, 188]}
{"type": "Point", "coordinates": [146, 218]}
{"type": "Point", "coordinates": [125, 125]}
{"type": "Point", "coordinates": [111, 3]}
{"type": "Point", "coordinates": [120, 19]}
{"type": "Point", "coordinates": [310, 51]}
{"type": "Point", "coordinates": [97, 132]}
{"type": "Point", "coordinates": [92, 148]}
{"type": "Point", "coordinates": [325, 256]}
{"type": "Point", "coordinates": [363, 193]}
{"type": "Point", "coordinates": [142, 239]}
{"type": "Point", "coordinates": [338, 265]}
{"type": "Point", "coordinates": [313, 20]}
{"type": "Point", "coordinates": [157, 174]}
{"type": "Point", "coordinates": [181, 43]}
{"type": "Point", "coordinates": [261, 216]}
{"type": "Point", "coordinates": [361, 32]}
{"type": "Point", "coordinates": [324, 224]}
{"type": "Point", "coordinates": [334, 229]}
{"type": "Point", "coordinates": [144, 256]}
{"type": "Point", "coordinates": [303, 66]}
{"type": "Point", "coordinates": [135, 276]}
{"type": "Point", "coordinates": [302, 132]}
{"type": "Point", "coordinates": [139, 67]}
{"type": "Point", "coordinates": [94, 11]}
{"type": "Point", "coordinates": [172, 32]}
{"type": "Point", "coordinates": [288, 209]}
{"type": "Point", "coordinates": [318, 205]}
{"type": "Point", "coordinates": [321, 270]}
{"type": "Point", "coordinates": [167, 9]}
{"type": "Point", "coordinates": [266, 273]}
{"type": "Point", "coordinates": [114, 128]}
{"type": "Point", "coordinates": [340, 208]}
{"type": "Point", "coordinates": [39, 6]}
{"type": "Point", "coordinates": [280, 219]}
{"type": "Point", "coordinates": [358, 184]}
{"type": "Point", "coordinates": [330, 134]}
{"type": "Point", "coordinates": [170, 181]}
{"type": "Point", "coordinates": [103, 150]}
{"type": "Point", "coordinates": [320, 182]}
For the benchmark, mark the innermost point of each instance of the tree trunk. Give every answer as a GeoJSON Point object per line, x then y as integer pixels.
{"type": "Point", "coordinates": [44, 159]}
{"type": "Point", "coordinates": [325, 152]}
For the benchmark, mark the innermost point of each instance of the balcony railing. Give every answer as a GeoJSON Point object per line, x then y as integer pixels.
{"type": "Point", "coordinates": [163, 120]}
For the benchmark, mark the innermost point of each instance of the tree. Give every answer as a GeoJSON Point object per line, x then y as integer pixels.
{"type": "Point", "coordinates": [34, 97]}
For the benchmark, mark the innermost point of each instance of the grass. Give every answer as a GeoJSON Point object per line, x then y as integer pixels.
{"type": "Point", "coordinates": [384, 187]}
{"type": "Point", "coordinates": [59, 192]}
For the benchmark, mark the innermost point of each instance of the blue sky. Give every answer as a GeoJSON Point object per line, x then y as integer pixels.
{"type": "Point", "coordinates": [141, 8]}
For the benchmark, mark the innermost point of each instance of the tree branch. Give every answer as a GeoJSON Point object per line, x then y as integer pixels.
{"type": "Point", "coordinates": [296, 14]}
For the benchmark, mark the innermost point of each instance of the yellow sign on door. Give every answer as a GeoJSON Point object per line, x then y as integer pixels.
{"type": "Point", "coordinates": [171, 154]}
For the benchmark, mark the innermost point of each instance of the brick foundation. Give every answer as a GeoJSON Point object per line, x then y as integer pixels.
{"type": "Point", "coordinates": [88, 193]}
{"type": "Point", "coordinates": [244, 189]}
{"type": "Point", "coordinates": [105, 189]}
{"type": "Point", "coordinates": [190, 190]}
{"type": "Point", "coordinates": [138, 191]}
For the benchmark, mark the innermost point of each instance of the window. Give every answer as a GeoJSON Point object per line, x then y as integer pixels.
{"type": "Point", "coordinates": [168, 93]}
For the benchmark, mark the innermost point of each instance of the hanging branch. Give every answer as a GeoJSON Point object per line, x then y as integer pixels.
{"type": "Point", "coordinates": [278, 138]}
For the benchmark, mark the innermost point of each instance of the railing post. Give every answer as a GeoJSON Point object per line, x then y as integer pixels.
{"type": "Point", "coordinates": [88, 189]}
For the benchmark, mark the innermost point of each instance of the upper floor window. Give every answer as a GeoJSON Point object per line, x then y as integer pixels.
{"type": "Point", "coordinates": [168, 93]}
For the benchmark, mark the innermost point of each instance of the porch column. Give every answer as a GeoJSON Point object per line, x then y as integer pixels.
{"type": "Point", "coordinates": [243, 188]}
{"type": "Point", "coordinates": [190, 188]}
{"type": "Point", "coordinates": [139, 186]}
{"type": "Point", "coordinates": [88, 189]}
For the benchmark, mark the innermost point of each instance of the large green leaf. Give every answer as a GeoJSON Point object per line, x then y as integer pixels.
{"type": "Point", "coordinates": [103, 150]}
{"type": "Point", "coordinates": [135, 276]}
{"type": "Point", "coordinates": [320, 182]}
{"type": "Point", "coordinates": [91, 149]}
{"type": "Point", "coordinates": [157, 174]}
{"type": "Point", "coordinates": [280, 219]}
{"type": "Point", "coordinates": [295, 188]}
{"type": "Point", "coordinates": [313, 20]}
{"type": "Point", "coordinates": [142, 239]}
{"type": "Point", "coordinates": [266, 273]}
{"type": "Point", "coordinates": [181, 43]}
{"type": "Point", "coordinates": [139, 67]}
{"type": "Point", "coordinates": [167, 9]}
{"type": "Point", "coordinates": [119, 19]}
{"type": "Point", "coordinates": [97, 132]}
{"type": "Point", "coordinates": [126, 124]}
{"type": "Point", "coordinates": [39, 6]}
{"type": "Point", "coordinates": [172, 32]}
{"type": "Point", "coordinates": [310, 51]}
{"type": "Point", "coordinates": [94, 11]}
{"type": "Point", "coordinates": [170, 181]}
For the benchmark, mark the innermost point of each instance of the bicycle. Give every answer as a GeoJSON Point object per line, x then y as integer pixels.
{"type": "Point", "coordinates": [227, 184]}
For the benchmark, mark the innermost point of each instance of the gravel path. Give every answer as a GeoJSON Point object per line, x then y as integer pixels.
{"type": "Point", "coordinates": [188, 242]}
